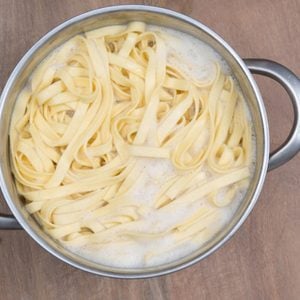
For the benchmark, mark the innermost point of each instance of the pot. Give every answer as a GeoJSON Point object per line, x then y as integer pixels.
{"type": "Point", "coordinates": [240, 68]}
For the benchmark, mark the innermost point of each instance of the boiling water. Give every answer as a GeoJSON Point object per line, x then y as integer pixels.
{"type": "Point", "coordinates": [195, 59]}
{"type": "Point", "coordinates": [190, 55]}
{"type": "Point", "coordinates": [141, 251]}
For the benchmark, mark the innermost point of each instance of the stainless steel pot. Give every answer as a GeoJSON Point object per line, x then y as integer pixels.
{"type": "Point", "coordinates": [120, 15]}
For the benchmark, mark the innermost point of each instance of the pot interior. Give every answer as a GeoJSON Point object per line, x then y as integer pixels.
{"type": "Point", "coordinates": [122, 15]}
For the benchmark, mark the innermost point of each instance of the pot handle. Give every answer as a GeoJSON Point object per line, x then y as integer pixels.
{"type": "Point", "coordinates": [9, 222]}
{"type": "Point", "coordinates": [291, 83]}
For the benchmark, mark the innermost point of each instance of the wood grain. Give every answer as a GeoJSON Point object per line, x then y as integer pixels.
{"type": "Point", "coordinates": [262, 260]}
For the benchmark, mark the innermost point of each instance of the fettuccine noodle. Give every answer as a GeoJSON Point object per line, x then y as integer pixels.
{"type": "Point", "coordinates": [102, 104]}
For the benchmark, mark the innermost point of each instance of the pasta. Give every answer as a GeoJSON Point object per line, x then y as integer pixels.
{"type": "Point", "coordinates": [102, 107]}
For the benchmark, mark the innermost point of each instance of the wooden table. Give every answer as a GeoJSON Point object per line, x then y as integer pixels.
{"type": "Point", "coordinates": [262, 260]}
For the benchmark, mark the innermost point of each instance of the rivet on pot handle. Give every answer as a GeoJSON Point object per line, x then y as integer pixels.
{"type": "Point", "coordinates": [291, 83]}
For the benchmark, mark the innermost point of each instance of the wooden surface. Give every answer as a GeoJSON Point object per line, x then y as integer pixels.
{"type": "Point", "coordinates": [262, 260]}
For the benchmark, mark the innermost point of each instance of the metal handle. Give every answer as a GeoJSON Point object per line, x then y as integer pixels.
{"type": "Point", "coordinates": [291, 83]}
{"type": "Point", "coordinates": [9, 222]}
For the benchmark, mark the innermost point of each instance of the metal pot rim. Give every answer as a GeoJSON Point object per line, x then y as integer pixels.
{"type": "Point", "coordinates": [20, 218]}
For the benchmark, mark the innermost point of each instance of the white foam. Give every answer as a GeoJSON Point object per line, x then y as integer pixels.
{"type": "Point", "coordinates": [131, 253]}
{"type": "Point", "coordinates": [191, 56]}
{"type": "Point", "coordinates": [196, 59]}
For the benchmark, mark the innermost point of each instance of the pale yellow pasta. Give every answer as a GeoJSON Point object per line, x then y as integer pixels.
{"type": "Point", "coordinates": [98, 104]}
